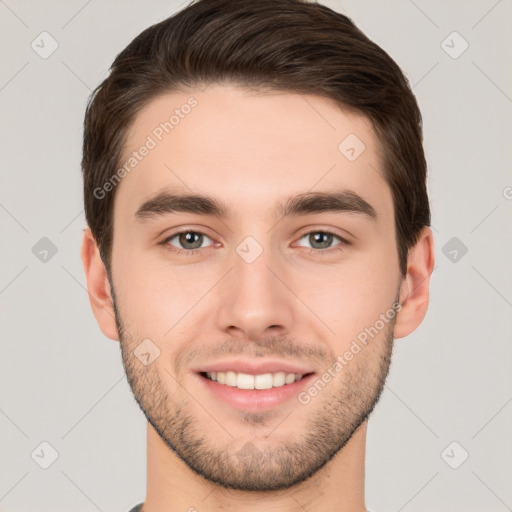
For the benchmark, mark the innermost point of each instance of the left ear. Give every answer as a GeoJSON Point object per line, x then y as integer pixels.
{"type": "Point", "coordinates": [414, 290]}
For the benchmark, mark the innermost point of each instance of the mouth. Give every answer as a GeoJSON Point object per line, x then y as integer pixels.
{"type": "Point", "coordinates": [253, 392]}
{"type": "Point", "coordinates": [248, 381]}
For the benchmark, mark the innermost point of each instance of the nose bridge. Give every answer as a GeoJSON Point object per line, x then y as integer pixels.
{"type": "Point", "coordinates": [253, 298]}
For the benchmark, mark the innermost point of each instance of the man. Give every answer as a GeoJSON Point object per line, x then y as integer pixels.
{"type": "Point", "coordinates": [258, 234]}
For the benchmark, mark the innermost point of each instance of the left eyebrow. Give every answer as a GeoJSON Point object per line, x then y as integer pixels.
{"type": "Point", "coordinates": [166, 203]}
{"type": "Point", "coordinates": [318, 202]}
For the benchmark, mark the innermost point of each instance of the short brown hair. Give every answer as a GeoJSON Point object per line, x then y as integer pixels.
{"type": "Point", "coordinates": [282, 45]}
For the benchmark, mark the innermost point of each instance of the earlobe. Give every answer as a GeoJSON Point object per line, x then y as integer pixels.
{"type": "Point", "coordinates": [414, 290]}
{"type": "Point", "coordinates": [98, 286]}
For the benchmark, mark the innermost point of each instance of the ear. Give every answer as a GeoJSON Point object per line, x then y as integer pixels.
{"type": "Point", "coordinates": [98, 286]}
{"type": "Point", "coordinates": [414, 289]}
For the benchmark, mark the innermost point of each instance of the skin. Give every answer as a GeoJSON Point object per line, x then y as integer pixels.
{"type": "Point", "coordinates": [251, 151]}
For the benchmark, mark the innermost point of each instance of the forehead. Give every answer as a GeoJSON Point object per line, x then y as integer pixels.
{"type": "Point", "coordinates": [248, 148]}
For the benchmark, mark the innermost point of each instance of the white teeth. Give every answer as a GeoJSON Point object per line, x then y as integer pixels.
{"type": "Point", "coordinates": [247, 381]}
{"type": "Point", "coordinates": [279, 379]}
{"type": "Point", "coordinates": [290, 377]}
{"type": "Point", "coordinates": [263, 381]}
{"type": "Point", "coordinates": [231, 379]}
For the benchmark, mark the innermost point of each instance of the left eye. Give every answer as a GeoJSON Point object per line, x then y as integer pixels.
{"type": "Point", "coordinates": [189, 240]}
{"type": "Point", "coordinates": [321, 239]}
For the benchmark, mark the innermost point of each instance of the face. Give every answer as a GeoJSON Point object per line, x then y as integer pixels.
{"type": "Point", "coordinates": [283, 278]}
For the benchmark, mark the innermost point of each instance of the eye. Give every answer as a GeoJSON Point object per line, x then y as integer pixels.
{"type": "Point", "coordinates": [187, 241]}
{"type": "Point", "coordinates": [321, 240]}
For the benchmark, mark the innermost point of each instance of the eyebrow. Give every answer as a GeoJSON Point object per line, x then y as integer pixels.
{"type": "Point", "coordinates": [165, 203]}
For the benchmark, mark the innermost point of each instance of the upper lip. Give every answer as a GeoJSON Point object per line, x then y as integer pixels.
{"type": "Point", "coordinates": [253, 368]}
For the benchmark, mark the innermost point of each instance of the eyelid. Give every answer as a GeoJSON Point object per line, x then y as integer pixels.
{"type": "Point", "coordinates": [327, 231]}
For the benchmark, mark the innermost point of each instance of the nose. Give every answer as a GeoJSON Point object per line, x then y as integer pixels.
{"type": "Point", "coordinates": [255, 299]}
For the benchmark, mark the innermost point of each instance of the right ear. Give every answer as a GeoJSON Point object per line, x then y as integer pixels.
{"type": "Point", "coordinates": [98, 286]}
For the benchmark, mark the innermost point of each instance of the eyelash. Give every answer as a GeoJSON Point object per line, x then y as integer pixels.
{"type": "Point", "coordinates": [193, 252]}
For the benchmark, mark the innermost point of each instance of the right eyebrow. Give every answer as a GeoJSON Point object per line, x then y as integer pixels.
{"type": "Point", "coordinates": [165, 203]}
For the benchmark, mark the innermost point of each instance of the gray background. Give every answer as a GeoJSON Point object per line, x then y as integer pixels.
{"type": "Point", "coordinates": [61, 380]}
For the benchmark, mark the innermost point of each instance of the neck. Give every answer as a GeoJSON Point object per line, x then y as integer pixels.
{"type": "Point", "coordinates": [173, 487]}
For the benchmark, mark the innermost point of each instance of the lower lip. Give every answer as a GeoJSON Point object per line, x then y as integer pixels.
{"type": "Point", "coordinates": [255, 399]}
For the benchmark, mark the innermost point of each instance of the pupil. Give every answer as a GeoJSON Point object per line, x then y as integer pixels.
{"type": "Point", "coordinates": [191, 238]}
{"type": "Point", "coordinates": [317, 238]}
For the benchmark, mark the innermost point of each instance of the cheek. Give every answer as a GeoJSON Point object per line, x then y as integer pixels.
{"type": "Point", "coordinates": [354, 296]}
{"type": "Point", "coordinates": [155, 296]}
